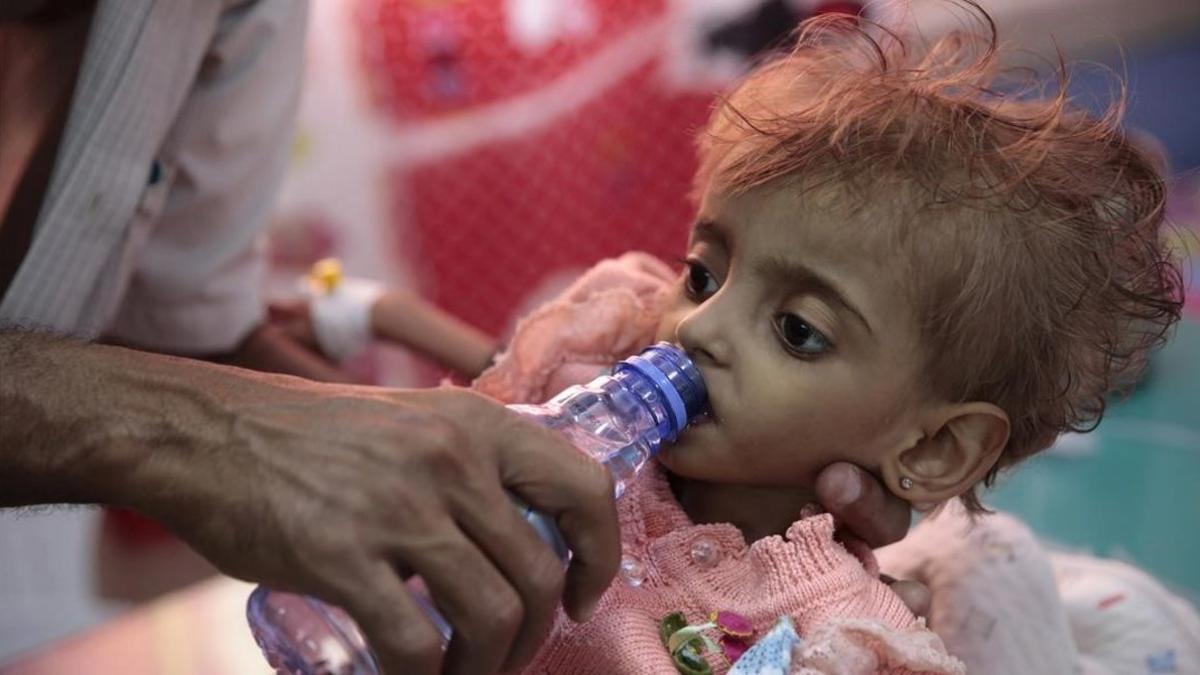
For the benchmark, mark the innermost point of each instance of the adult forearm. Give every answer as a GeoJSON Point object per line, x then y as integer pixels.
{"type": "Point", "coordinates": [86, 423]}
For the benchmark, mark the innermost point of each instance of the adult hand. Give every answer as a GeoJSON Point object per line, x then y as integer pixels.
{"type": "Point", "coordinates": [340, 492]}
{"type": "Point", "coordinates": [332, 490]}
{"type": "Point", "coordinates": [863, 507]}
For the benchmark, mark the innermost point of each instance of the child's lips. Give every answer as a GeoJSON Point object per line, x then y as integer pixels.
{"type": "Point", "coordinates": [705, 417]}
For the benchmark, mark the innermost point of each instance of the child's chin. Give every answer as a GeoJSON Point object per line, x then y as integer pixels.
{"type": "Point", "coordinates": [687, 450]}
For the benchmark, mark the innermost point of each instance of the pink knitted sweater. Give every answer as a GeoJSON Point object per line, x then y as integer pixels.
{"type": "Point", "coordinates": [848, 620]}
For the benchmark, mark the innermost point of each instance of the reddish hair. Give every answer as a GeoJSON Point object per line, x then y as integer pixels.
{"type": "Point", "coordinates": [1031, 229]}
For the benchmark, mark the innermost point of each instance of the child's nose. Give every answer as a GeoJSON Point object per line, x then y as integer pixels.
{"type": "Point", "coordinates": [701, 335]}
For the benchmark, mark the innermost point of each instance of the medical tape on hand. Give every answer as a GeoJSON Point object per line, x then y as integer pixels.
{"type": "Point", "coordinates": [341, 318]}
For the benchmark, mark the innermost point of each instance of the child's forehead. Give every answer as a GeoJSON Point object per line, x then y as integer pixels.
{"type": "Point", "coordinates": [820, 218]}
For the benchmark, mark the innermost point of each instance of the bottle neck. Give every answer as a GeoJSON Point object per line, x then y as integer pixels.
{"type": "Point", "coordinates": [674, 389]}
{"type": "Point", "coordinates": [649, 392]}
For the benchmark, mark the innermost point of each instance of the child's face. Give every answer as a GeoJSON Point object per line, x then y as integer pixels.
{"type": "Point", "coordinates": [794, 314]}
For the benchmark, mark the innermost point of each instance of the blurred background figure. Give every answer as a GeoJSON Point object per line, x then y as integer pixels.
{"type": "Point", "coordinates": [482, 153]}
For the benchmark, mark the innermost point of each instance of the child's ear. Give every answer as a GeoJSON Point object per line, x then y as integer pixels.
{"type": "Point", "coordinates": [961, 446]}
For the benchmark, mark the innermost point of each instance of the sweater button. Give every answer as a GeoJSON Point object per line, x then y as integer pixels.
{"type": "Point", "coordinates": [705, 553]}
{"type": "Point", "coordinates": [632, 572]}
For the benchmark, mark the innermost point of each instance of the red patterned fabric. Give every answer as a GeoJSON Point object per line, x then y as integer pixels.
{"type": "Point", "coordinates": [417, 52]}
{"type": "Point", "coordinates": [485, 227]}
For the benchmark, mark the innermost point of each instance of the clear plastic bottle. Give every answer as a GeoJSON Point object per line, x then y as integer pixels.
{"type": "Point", "coordinates": [620, 419]}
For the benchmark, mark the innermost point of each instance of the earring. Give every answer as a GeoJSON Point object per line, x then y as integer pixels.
{"type": "Point", "coordinates": [905, 483]}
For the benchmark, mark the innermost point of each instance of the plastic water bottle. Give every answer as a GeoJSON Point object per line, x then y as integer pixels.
{"type": "Point", "coordinates": [620, 419]}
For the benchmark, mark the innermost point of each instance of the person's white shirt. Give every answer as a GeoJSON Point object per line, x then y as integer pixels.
{"type": "Point", "coordinates": [178, 136]}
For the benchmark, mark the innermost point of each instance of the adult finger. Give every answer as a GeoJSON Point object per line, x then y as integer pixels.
{"type": "Point", "coordinates": [862, 505]}
{"type": "Point", "coordinates": [543, 469]}
{"type": "Point", "coordinates": [474, 597]}
{"type": "Point", "coordinates": [402, 637]}
{"type": "Point", "coordinates": [527, 562]}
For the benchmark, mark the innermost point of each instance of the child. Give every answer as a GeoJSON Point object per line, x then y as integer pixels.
{"type": "Point", "coordinates": [892, 265]}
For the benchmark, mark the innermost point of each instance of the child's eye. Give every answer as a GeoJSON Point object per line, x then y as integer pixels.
{"type": "Point", "coordinates": [799, 337]}
{"type": "Point", "coordinates": [699, 282]}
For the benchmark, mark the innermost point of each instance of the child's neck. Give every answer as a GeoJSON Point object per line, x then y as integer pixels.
{"type": "Point", "coordinates": [757, 511]}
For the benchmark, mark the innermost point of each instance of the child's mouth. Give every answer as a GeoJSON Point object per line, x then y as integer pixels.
{"type": "Point", "coordinates": [705, 417]}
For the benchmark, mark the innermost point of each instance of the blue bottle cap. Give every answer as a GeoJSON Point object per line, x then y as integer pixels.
{"type": "Point", "coordinates": [675, 378]}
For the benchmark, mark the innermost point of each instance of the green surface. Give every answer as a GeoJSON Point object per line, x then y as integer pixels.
{"type": "Point", "coordinates": [1130, 489]}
